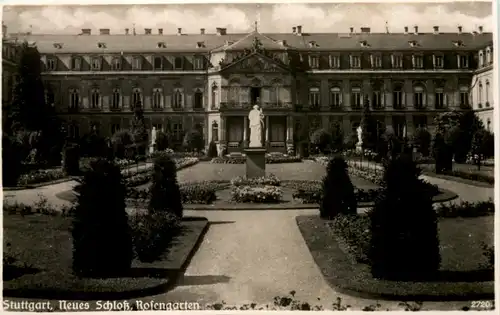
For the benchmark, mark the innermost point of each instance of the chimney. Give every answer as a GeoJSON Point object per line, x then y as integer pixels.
{"type": "Point", "coordinates": [202, 31]}
{"type": "Point", "coordinates": [221, 31]}
{"type": "Point", "coordinates": [86, 31]}
{"type": "Point", "coordinates": [127, 31]}
{"type": "Point", "coordinates": [351, 30]}
{"type": "Point", "coordinates": [299, 30]}
{"type": "Point", "coordinates": [179, 31]}
{"type": "Point", "coordinates": [147, 31]}
{"type": "Point", "coordinates": [416, 29]}
{"type": "Point", "coordinates": [406, 29]}
{"type": "Point", "coordinates": [460, 30]}
{"type": "Point", "coordinates": [480, 29]}
{"type": "Point", "coordinates": [104, 31]}
{"type": "Point", "coordinates": [160, 31]}
{"type": "Point", "coordinates": [294, 30]}
{"type": "Point", "coordinates": [436, 29]}
{"type": "Point", "coordinates": [365, 30]}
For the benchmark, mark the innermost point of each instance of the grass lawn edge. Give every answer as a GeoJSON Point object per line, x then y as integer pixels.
{"type": "Point", "coordinates": [459, 179]}
{"type": "Point", "coordinates": [355, 279]}
{"type": "Point", "coordinates": [185, 251]}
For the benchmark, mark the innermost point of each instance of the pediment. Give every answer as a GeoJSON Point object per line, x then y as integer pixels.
{"type": "Point", "coordinates": [256, 63]}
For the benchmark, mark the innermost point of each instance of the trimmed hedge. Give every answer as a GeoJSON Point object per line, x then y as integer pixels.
{"type": "Point", "coordinates": [466, 209]}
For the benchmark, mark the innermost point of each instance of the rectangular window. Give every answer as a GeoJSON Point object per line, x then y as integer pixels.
{"type": "Point", "coordinates": [198, 62]}
{"type": "Point", "coordinates": [397, 61]}
{"type": "Point", "coordinates": [355, 62]}
{"type": "Point", "coordinates": [177, 131]}
{"type": "Point", "coordinates": [376, 61]}
{"type": "Point", "coordinates": [335, 98]}
{"type": "Point", "coordinates": [334, 62]}
{"type": "Point", "coordinates": [356, 99]}
{"type": "Point", "coordinates": [464, 98]}
{"type": "Point", "coordinates": [314, 62]}
{"type": "Point", "coordinates": [178, 63]}
{"type": "Point", "coordinates": [418, 61]}
{"type": "Point", "coordinates": [116, 64]}
{"type": "Point", "coordinates": [96, 64]}
{"type": "Point", "coordinates": [158, 63]}
{"type": "Point", "coordinates": [397, 99]}
{"type": "Point", "coordinates": [51, 64]}
{"type": "Point", "coordinates": [377, 99]}
{"type": "Point", "coordinates": [76, 63]}
{"type": "Point", "coordinates": [464, 61]}
{"type": "Point", "coordinates": [314, 97]}
{"type": "Point", "coordinates": [418, 99]}
{"type": "Point", "coordinates": [137, 63]}
{"type": "Point", "coordinates": [439, 97]}
{"type": "Point", "coordinates": [439, 62]}
{"type": "Point", "coordinates": [198, 100]}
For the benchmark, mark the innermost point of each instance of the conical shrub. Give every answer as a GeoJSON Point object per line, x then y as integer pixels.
{"type": "Point", "coordinates": [164, 191]}
{"type": "Point", "coordinates": [405, 242]}
{"type": "Point", "coordinates": [102, 243]}
{"type": "Point", "coordinates": [338, 191]}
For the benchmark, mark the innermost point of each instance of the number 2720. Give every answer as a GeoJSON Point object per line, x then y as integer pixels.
{"type": "Point", "coordinates": [481, 304]}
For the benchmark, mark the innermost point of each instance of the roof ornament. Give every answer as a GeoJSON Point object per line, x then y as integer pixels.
{"type": "Point", "coordinates": [256, 26]}
{"type": "Point", "coordinates": [256, 45]}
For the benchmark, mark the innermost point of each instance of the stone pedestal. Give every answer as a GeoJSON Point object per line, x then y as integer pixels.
{"type": "Point", "coordinates": [359, 147]}
{"type": "Point", "coordinates": [256, 162]}
{"type": "Point", "coordinates": [152, 148]}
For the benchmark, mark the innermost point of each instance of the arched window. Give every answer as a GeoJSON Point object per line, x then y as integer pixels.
{"type": "Point", "coordinates": [73, 130]}
{"type": "Point", "coordinates": [480, 95]}
{"type": "Point", "coordinates": [356, 99]}
{"type": "Point", "coordinates": [314, 97]}
{"type": "Point", "coordinates": [177, 99]}
{"type": "Point", "coordinates": [440, 98]}
{"type": "Point", "coordinates": [95, 98]}
{"type": "Point", "coordinates": [335, 97]}
{"type": "Point", "coordinates": [215, 131]}
{"type": "Point", "coordinates": [487, 98]}
{"type": "Point", "coordinates": [198, 99]}
{"type": "Point", "coordinates": [481, 59]}
{"type": "Point", "coordinates": [116, 98]}
{"type": "Point", "coordinates": [74, 98]}
{"type": "Point", "coordinates": [157, 98]}
{"type": "Point", "coordinates": [136, 96]}
{"type": "Point", "coordinates": [377, 96]}
{"type": "Point", "coordinates": [488, 55]}
{"type": "Point", "coordinates": [418, 97]}
{"type": "Point", "coordinates": [214, 96]}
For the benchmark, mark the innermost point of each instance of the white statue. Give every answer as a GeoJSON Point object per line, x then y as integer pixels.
{"type": "Point", "coordinates": [256, 118]}
{"type": "Point", "coordinates": [359, 130]}
{"type": "Point", "coordinates": [153, 136]}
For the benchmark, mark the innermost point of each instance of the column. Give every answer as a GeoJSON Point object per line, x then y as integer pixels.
{"type": "Point", "coordinates": [289, 135]}
{"type": "Point", "coordinates": [222, 129]}
{"type": "Point", "coordinates": [245, 132]}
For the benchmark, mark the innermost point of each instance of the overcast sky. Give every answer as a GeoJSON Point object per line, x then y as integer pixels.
{"type": "Point", "coordinates": [241, 17]}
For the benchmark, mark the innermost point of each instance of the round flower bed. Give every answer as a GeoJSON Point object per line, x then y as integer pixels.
{"type": "Point", "coordinates": [266, 194]}
{"type": "Point", "coordinates": [270, 180]}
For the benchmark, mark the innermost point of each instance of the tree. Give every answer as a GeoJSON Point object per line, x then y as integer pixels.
{"type": "Point", "coordinates": [321, 139]}
{"type": "Point", "coordinates": [71, 159]}
{"type": "Point", "coordinates": [193, 140]}
{"type": "Point", "coordinates": [483, 145]}
{"type": "Point", "coordinates": [120, 141]}
{"type": "Point", "coordinates": [164, 191]}
{"type": "Point", "coordinates": [11, 160]}
{"type": "Point", "coordinates": [163, 140]}
{"type": "Point", "coordinates": [422, 138]}
{"type": "Point", "coordinates": [404, 226]}
{"type": "Point", "coordinates": [28, 108]}
{"type": "Point", "coordinates": [337, 136]}
{"type": "Point", "coordinates": [369, 127]}
{"type": "Point", "coordinates": [102, 241]}
{"type": "Point", "coordinates": [139, 131]}
{"type": "Point", "coordinates": [469, 124]}
{"type": "Point", "coordinates": [338, 191]}
{"type": "Point", "coordinates": [443, 153]}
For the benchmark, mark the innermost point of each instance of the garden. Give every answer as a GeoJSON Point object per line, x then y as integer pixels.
{"type": "Point", "coordinates": [405, 247]}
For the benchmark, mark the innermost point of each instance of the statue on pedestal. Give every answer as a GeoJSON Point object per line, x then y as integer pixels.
{"type": "Point", "coordinates": [256, 118]}
{"type": "Point", "coordinates": [359, 145]}
{"type": "Point", "coordinates": [153, 140]}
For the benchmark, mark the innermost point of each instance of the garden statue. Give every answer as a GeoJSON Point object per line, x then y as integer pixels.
{"type": "Point", "coordinates": [359, 145]}
{"type": "Point", "coordinates": [256, 118]}
{"type": "Point", "coordinates": [152, 145]}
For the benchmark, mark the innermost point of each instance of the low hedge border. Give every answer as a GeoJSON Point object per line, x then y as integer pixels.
{"type": "Point", "coordinates": [148, 278]}
{"type": "Point", "coordinates": [355, 279]}
{"type": "Point", "coordinates": [479, 181]}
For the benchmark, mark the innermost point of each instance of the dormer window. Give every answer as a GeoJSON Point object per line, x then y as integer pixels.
{"type": "Point", "coordinates": [76, 63]}
{"type": "Point", "coordinates": [58, 45]}
{"type": "Point", "coordinates": [418, 61]}
{"type": "Point", "coordinates": [200, 45]}
{"type": "Point", "coordinates": [355, 61]}
{"type": "Point", "coordinates": [413, 43]}
{"type": "Point", "coordinates": [137, 63]}
{"type": "Point", "coordinates": [397, 61]}
{"type": "Point", "coordinates": [101, 45]}
{"type": "Point", "coordinates": [178, 63]}
{"type": "Point", "coordinates": [463, 61]}
{"type": "Point", "coordinates": [438, 61]}
{"type": "Point", "coordinates": [158, 63]}
{"type": "Point", "coordinates": [161, 45]}
{"type": "Point", "coordinates": [458, 43]}
{"type": "Point", "coordinates": [116, 64]}
{"type": "Point", "coordinates": [334, 61]}
{"type": "Point", "coordinates": [376, 61]}
{"type": "Point", "coordinates": [198, 62]}
{"type": "Point", "coordinates": [313, 44]}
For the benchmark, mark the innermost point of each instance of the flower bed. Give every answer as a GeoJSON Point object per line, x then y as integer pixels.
{"type": "Point", "coordinates": [266, 194]}
{"type": "Point", "coordinates": [136, 177]}
{"type": "Point", "coordinates": [270, 180]}
{"type": "Point", "coordinates": [466, 209]}
{"type": "Point", "coordinates": [40, 176]}
{"type": "Point", "coordinates": [353, 232]}
{"type": "Point", "coordinates": [270, 159]}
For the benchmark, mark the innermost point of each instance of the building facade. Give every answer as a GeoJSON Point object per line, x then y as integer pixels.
{"type": "Point", "coordinates": [9, 53]}
{"type": "Point", "coordinates": [303, 81]}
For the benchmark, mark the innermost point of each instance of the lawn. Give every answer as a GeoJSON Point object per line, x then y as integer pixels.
{"type": "Point", "coordinates": [464, 274]}
{"type": "Point", "coordinates": [42, 248]}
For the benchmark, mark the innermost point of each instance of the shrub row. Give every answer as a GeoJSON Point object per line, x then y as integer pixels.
{"type": "Point", "coordinates": [270, 159]}
{"type": "Point", "coordinates": [353, 232]}
{"type": "Point", "coordinates": [266, 194]}
{"type": "Point", "coordinates": [41, 176]}
{"type": "Point", "coordinates": [270, 180]}
{"type": "Point", "coordinates": [466, 209]}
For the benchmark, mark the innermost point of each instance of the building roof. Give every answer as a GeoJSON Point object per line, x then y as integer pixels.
{"type": "Point", "coordinates": [85, 44]}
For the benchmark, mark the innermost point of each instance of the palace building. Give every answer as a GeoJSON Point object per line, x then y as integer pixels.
{"type": "Point", "coordinates": [303, 81]}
